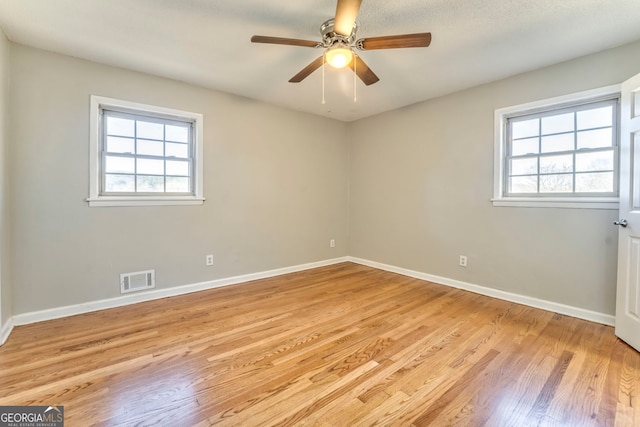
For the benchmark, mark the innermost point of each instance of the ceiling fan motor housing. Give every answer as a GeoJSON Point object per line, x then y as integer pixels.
{"type": "Point", "coordinates": [330, 37]}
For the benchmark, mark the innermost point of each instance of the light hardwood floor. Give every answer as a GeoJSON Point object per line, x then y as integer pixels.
{"type": "Point", "coordinates": [343, 345]}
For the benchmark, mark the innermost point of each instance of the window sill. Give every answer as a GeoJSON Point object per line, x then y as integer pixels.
{"type": "Point", "coordinates": [107, 201]}
{"type": "Point", "coordinates": [611, 203]}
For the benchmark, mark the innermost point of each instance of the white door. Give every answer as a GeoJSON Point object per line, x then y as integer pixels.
{"type": "Point", "coordinates": [628, 294]}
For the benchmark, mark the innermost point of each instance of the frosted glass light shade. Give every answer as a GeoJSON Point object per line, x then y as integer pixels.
{"type": "Point", "coordinates": [339, 56]}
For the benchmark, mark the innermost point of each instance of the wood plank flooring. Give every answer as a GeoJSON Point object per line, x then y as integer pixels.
{"type": "Point", "coordinates": [344, 345]}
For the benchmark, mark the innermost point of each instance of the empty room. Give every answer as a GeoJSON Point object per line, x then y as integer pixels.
{"type": "Point", "coordinates": [330, 212]}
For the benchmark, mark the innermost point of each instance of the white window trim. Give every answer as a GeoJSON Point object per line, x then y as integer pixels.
{"type": "Point", "coordinates": [500, 118]}
{"type": "Point", "coordinates": [96, 199]}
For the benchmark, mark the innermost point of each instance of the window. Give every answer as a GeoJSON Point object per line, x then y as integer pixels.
{"type": "Point", "coordinates": [144, 155]}
{"type": "Point", "coordinates": [561, 152]}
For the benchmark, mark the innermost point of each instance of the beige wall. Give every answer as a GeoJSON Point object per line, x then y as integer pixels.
{"type": "Point", "coordinates": [275, 184]}
{"type": "Point", "coordinates": [5, 289]}
{"type": "Point", "coordinates": [421, 180]}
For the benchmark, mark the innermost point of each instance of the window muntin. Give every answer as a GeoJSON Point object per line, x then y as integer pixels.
{"type": "Point", "coordinates": [144, 154]}
{"type": "Point", "coordinates": [568, 151]}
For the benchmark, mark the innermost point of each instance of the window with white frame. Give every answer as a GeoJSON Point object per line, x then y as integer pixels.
{"type": "Point", "coordinates": [561, 153]}
{"type": "Point", "coordinates": [144, 155]}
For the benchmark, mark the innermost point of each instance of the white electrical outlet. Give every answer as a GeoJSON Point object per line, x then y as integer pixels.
{"type": "Point", "coordinates": [209, 260]}
{"type": "Point", "coordinates": [463, 261]}
{"type": "Point", "coordinates": [332, 243]}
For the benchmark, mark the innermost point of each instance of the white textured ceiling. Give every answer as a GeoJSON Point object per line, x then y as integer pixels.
{"type": "Point", "coordinates": [206, 42]}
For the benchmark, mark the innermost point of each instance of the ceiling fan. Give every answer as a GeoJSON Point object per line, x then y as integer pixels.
{"type": "Point", "coordinates": [339, 40]}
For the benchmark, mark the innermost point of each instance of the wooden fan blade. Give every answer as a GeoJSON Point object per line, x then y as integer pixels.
{"type": "Point", "coordinates": [304, 73]}
{"type": "Point", "coordinates": [282, 40]}
{"type": "Point", "coordinates": [363, 71]}
{"type": "Point", "coordinates": [395, 42]}
{"type": "Point", "coordinates": [346, 14]}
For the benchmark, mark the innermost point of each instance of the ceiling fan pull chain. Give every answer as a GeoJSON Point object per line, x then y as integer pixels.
{"type": "Point", "coordinates": [355, 82]}
{"type": "Point", "coordinates": [323, 101]}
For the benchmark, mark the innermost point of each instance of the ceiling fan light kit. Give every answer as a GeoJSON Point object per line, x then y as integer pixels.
{"type": "Point", "coordinates": [339, 40]}
{"type": "Point", "coordinates": [339, 56]}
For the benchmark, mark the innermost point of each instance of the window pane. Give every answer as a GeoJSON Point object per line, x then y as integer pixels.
{"type": "Point", "coordinates": [601, 182]}
{"type": "Point", "coordinates": [177, 133]}
{"type": "Point", "coordinates": [119, 164]}
{"type": "Point", "coordinates": [177, 150]}
{"type": "Point", "coordinates": [525, 128]}
{"type": "Point", "coordinates": [597, 161]}
{"type": "Point", "coordinates": [119, 183]}
{"type": "Point", "coordinates": [177, 168]}
{"type": "Point", "coordinates": [524, 166]}
{"type": "Point", "coordinates": [595, 118]}
{"type": "Point", "coordinates": [120, 145]}
{"type": "Point", "coordinates": [150, 130]}
{"type": "Point", "coordinates": [121, 127]}
{"type": "Point", "coordinates": [562, 142]}
{"type": "Point", "coordinates": [595, 138]}
{"type": "Point", "coordinates": [557, 124]}
{"type": "Point", "coordinates": [556, 183]}
{"type": "Point", "coordinates": [524, 146]}
{"type": "Point", "coordinates": [150, 167]}
{"type": "Point", "coordinates": [150, 184]}
{"type": "Point", "coordinates": [178, 184]}
{"type": "Point", "coordinates": [523, 184]}
{"type": "Point", "coordinates": [555, 164]}
{"type": "Point", "coordinates": [150, 148]}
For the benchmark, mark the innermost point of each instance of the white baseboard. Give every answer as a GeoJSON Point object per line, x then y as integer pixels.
{"type": "Point", "coordinates": [5, 331]}
{"type": "Point", "coordinates": [70, 310]}
{"type": "Point", "coordinates": [56, 313]}
{"type": "Point", "coordinates": [580, 313]}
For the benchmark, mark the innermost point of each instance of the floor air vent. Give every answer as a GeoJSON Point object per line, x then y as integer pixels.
{"type": "Point", "coordinates": [137, 281]}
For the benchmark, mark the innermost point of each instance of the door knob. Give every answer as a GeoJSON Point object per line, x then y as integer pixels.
{"type": "Point", "coordinates": [621, 222]}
